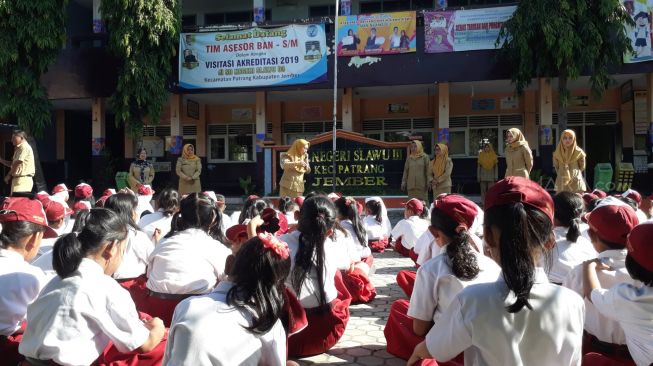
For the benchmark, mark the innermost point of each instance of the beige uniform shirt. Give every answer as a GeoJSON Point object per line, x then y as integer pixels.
{"type": "Point", "coordinates": [24, 154]}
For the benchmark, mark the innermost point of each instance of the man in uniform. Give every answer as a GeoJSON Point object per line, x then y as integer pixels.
{"type": "Point", "coordinates": [21, 167]}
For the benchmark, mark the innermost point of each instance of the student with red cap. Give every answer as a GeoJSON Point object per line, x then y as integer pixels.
{"type": "Point", "coordinates": [145, 194]}
{"type": "Point", "coordinates": [521, 319]}
{"type": "Point", "coordinates": [84, 192]}
{"type": "Point", "coordinates": [24, 225]}
{"type": "Point", "coordinates": [56, 213]}
{"type": "Point", "coordinates": [610, 223]}
{"type": "Point", "coordinates": [629, 304]}
{"type": "Point", "coordinates": [406, 231]}
{"type": "Point", "coordinates": [61, 193]}
{"type": "Point", "coordinates": [637, 199]}
{"type": "Point", "coordinates": [440, 279]}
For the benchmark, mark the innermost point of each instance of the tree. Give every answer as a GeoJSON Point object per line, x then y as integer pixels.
{"type": "Point", "coordinates": [143, 33]}
{"type": "Point", "coordinates": [27, 48]}
{"type": "Point", "coordinates": [564, 38]}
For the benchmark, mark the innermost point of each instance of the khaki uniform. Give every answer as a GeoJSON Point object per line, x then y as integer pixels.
{"type": "Point", "coordinates": [575, 170]}
{"type": "Point", "coordinates": [443, 183]}
{"type": "Point", "coordinates": [416, 177]}
{"type": "Point", "coordinates": [192, 169]}
{"type": "Point", "coordinates": [292, 180]}
{"type": "Point", "coordinates": [22, 180]}
{"type": "Point", "coordinates": [134, 177]}
{"type": "Point", "coordinates": [486, 178]}
{"type": "Point", "coordinates": [519, 161]}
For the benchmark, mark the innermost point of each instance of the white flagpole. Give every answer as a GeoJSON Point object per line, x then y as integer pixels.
{"type": "Point", "coordinates": [335, 90]}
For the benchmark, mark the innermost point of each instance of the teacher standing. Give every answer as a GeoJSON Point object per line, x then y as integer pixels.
{"type": "Point", "coordinates": [21, 167]}
{"type": "Point", "coordinates": [416, 172]}
{"type": "Point", "coordinates": [294, 164]}
{"type": "Point", "coordinates": [519, 158]}
{"type": "Point", "coordinates": [569, 164]}
{"type": "Point", "coordinates": [189, 168]}
{"type": "Point", "coordinates": [441, 168]}
{"type": "Point", "coordinates": [141, 171]}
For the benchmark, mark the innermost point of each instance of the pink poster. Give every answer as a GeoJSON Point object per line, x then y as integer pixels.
{"type": "Point", "coordinates": [438, 31]}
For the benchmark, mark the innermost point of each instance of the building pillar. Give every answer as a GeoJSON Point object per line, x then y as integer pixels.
{"type": "Point", "coordinates": [443, 113]}
{"type": "Point", "coordinates": [201, 141]}
{"type": "Point", "coordinates": [348, 109]}
{"type": "Point", "coordinates": [262, 169]}
{"type": "Point", "coordinates": [99, 161]}
{"type": "Point", "coordinates": [545, 134]}
{"type": "Point", "coordinates": [175, 115]}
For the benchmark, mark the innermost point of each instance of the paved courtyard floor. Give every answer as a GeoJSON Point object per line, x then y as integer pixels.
{"type": "Point", "coordinates": [363, 342]}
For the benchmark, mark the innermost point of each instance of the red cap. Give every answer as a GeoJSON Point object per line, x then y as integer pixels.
{"type": "Point", "coordinates": [55, 211]}
{"type": "Point", "coordinates": [25, 209]}
{"type": "Point", "coordinates": [633, 195]}
{"type": "Point", "coordinates": [272, 219]}
{"type": "Point", "coordinates": [43, 197]}
{"type": "Point", "coordinates": [236, 231]}
{"type": "Point", "coordinates": [83, 190]}
{"type": "Point", "coordinates": [60, 188]}
{"type": "Point", "coordinates": [589, 197]}
{"type": "Point", "coordinates": [299, 201]}
{"type": "Point", "coordinates": [519, 190]}
{"type": "Point", "coordinates": [599, 193]}
{"type": "Point", "coordinates": [81, 205]}
{"type": "Point", "coordinates": [459, 208]}
{"type": "Point", "coordinates": [252, 197]}
{"type": "Point", "coordinates": [100, 201]}
{"type": "Point", "coordinates": [108, 192]}
{"type": "Point", "coordinates": [640, 247]}
{"type": "Point", "coordinates": [612, 220]}
{"type": "Point", "coordinates": [415, 205]}
{"type": "Point", "coordinates": [145, 190]}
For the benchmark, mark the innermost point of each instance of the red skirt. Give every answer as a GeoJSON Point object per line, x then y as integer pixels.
{"type": "Point", "coordinates": [359, 286]}
{"type": "Point", "coordinates": [597, 359]}
{"type": "Point", "coordinates": [368, 260]}
{"type": "Point", "coordinates": [412, 255]}
{"type": "Point", "coordinates": [9, 348]}
{"type": "Point", "coordinates": [161, 308]}
{"type": "Point", "coordinates": [138, 290]}
{"type": "Point", "coordinates": [458, 361]}
{"type": "Point", "coordinates": [112, 357]}
{"type": "Point", "coordinates": [294, 315]}
{"type": "Point", "coordinates": [399, 248]}
{"type": "Point", "coordinates": [398, 331]}
{"type": "Point", "coordinates": [406, 280]}
{"type": "Point", "coordinates": [378, 246]}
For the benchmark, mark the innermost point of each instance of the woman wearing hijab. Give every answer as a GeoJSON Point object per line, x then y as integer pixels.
{"type": "Point", "coordinates": [189, 168]}
{"type": "Point", "coordinates": [487, 172]}
{"type": "Point", "coordinates": [294, 164]}
{"type": "Point", "coordinates": [441, 168]}
{"type": "Point", "coordinates": [141, 171]}
{"type": "Point", "coordinates": [416, 172]}
{"type": "Point", "coordinates": [519, 159]}
{"type": "Point", "coordinates": [569, 163]}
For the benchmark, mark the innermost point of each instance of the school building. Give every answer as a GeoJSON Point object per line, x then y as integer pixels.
{"type": "Point", "coordinates": [390, 99]}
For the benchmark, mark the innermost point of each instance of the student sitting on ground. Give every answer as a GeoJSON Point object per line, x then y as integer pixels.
{"type": "Point", "coordinates": [406, 232]}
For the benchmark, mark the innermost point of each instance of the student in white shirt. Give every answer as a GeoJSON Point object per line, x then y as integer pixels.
{"type": "Point", "coordinates": [189, 260]}
{"type": "Point", "coordinates": [24, 225]}
{"type": "Point", "coordinates": [290, 209]}
{"type": "Point", "coordinates": [239, 322]}
{"type": "Point", "coordinates": [630, 305]}
{"type": "Point", "coordinates": [521, 319]}
{"type": "Point", "coordinates": [79, 314]}
{"type": "Point", "coordinates": [57, 214]}
{"type": "Point", "coordinates": [312, 277]}
{"type": "Point", "coordinates": [439, 280]}
{"type": "Point", "coordinates": [571, 247]}
{"type": "Point", "coordinates": [167, 205]}
{"type": "Point", "coordinates": [406, 232]}
{"type": "Point", "coordinates": [375, 224]}
{"type": "Point", "coordinates": [610, 223]}
{"type": "Point", "coordinates": [252, 208]}
{"type": "Point", "coordinates": [220, 202]}
{"type": "Point", "coordinates": [144, 207]}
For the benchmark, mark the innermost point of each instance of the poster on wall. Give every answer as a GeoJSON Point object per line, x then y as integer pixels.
{"type": "Point", "coordinates": [546, 136]}
{"type": "Point", "coordinates": [464, 30]}
{"type": "Point", "coordinates": [377, 34]}
{"type": "Point", "coordinates": [97, 146]}
{"type": "Point", "coordinates": [640, 33]}
{"type": "Point", "coordinates": [154, 146]}
{"type": "Point", "coordinates": [294, 54]}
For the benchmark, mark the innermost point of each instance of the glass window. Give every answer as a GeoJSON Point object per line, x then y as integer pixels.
{"type": "Point", "coordinates": [240, 148]}
{"type": "Point", "coordinates": [396, 136]}
{"type": "Point", "coordinates": [373, 135]}
{"type": "Point", "coordinates": [478, 135]}
{"type": "Point", "coordinates": [217, 149]}
{"type": "Point", "coordinates": [457, 143]}
{"type": "Point", "coordinates": [371, 7]}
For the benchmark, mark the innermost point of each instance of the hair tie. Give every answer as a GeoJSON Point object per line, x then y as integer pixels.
{"type": "Point", "coordinates": [460, 229]}
{"type": "Point", "coordinates": [273, 244]}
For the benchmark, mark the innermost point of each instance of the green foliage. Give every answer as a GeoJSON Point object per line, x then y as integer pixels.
{"type": "Point", "coordinates": [564, 38]}
{"type": "Point", "coordinates": [143, 34]}
{"type": "Point", "coordinates": [246, 185]}
{"type": "Point", "coordinates": [32, 34]}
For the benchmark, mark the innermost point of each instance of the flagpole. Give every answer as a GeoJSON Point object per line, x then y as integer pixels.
{"type": "Point", "coordinates": [335, 91]}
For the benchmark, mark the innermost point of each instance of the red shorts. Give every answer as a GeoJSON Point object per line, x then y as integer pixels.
{"type": "Point", "coordinates": [323, 331]}
{"type": "Point", "coordinates": [406, 280]}
{"type": "Point", "coordinates": [378, 245]}
{"type": "Point", "coordinates": [399, 248]}
{"type": "Point", "coordinates": [9, 347]}
{"type": "Point", "coordinates": [412, 255]}
{"type": "Point", "coordinates": [398, 331]}
{"type": "Point", "coordinates": [162, 308]}
{"type": "Point", "coordinates": [138, 290]}
{"type": "Point", "coordinates": [359, 286]}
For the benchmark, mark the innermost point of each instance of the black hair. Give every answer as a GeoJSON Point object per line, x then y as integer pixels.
{"type": "Point", "coordinates": [285, 203]}
{"type": "Point", "coordinates": [464, 264]}
{"type": "Point", "coordinates": [254, 209]}
{"type": "Point", "coordinates": [630, 202]}
{"type": "Point", "coordinates": [101, 226]}
{"type": "Point", "coordinates": [124, 204]}
{"type": "Point", "coordinates": [637, 272]}
{"type": "Point", "coordinates": [14, 231]}
{"type": "Point", "coordinates": [348, 209]}
{"type": "Point", "coordinates": [425, 210]}
{"type": "Point", "coordinates": [592, 204]}
{"type": "Point", "coordinates": [80, 220]}
{"type": "Point", "coordinates": [259, 276]}
{"type": "Point", "coordinates": [313, 194]}
{"type": "Point", "coordinates": [568, 210]}
{"type": "Point", "coordinates": [524, 230]}
{"type": "Point", "coordinates": [374, 207]}
{"type": "Point", "coordinates": [197, 211]}
{"type": "Point", "coordinates": [220, 198]}
{"type": "Point", "coordinates": [316, 218]}
{"type": "Point", "coordinates": [641, 14]}
{"type": "Point", "coordinates": [168, 201]}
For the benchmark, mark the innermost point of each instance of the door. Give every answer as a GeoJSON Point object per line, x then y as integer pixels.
{"type": "Point", "coordinates": [599, 146]}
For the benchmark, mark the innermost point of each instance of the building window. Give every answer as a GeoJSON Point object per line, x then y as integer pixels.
{"type": "Point", "coordinates": [233, 17]}
{"type": "Point", "coordinates": [189, 21]}
{"type": "Point", "coordinates": [457, 142]}
{"type": "Point", "coordinates": [398, 130]}
{"type": "Point", "coordinates": [231, 143]}
{"type": "Point", "coordinates": [321, 11]}
{"type": "Point", "coordinates": [306, 130]}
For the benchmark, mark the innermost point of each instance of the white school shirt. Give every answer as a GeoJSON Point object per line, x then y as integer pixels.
{"type": "Point", "coordinates": [409, 230]}
{"type": "Point", "coordinates": [374, 229]}
{"type": "Point", "coordinates": [358, 248]}
{"type": "Point", "coordinates": [153, 221]}
{"type": "Point", "coordinates": [428, 248]}
{"type": "Point", "coordinates": [566, 255]}
{"type": "Point", "coordinates": [632, 307]}
{"type": "Point", "coordinates": [135, 258]}
{"type": "Point", "coordinates": [234, 217]}
{"type": "Point", "coordinates": [74, 318]}
{"type": "Point", "coordinates": [189, 262]}
{"type": "Point", "coordinates": [584, 231]}
{"type": "Point", "coordinates": [308, 293]}
{"type": "Point", "coordinates": [436, 286]}
{"type": "Point", "coordinates": [206, 331]}
{"type": "Point", "coordinates": [290, 217]}
{"type": "Point", "coordinates": [20, 283]}
{"type": "Point", "coordinates": [600, 326]}
{"type": "Point", "coordinates": [144, 204]}
{"type": "Point", "coordinates": [342, 248]}
{"type": "Point", "coordinates": [44, 262]}
{"type": "Point", "coordinates": [478, 323]}
{"type": "Point", "coordinates": [225, 223]}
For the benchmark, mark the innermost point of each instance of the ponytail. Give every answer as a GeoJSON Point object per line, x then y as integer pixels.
{"type": "Point", "coordinates": [464, 264]}
{"type": "Point", "coordinates": [197, 211]}
{"type": "Point", "coordinates": [375, 209]}
{"type": "Point", "coordinates": [348, 208]}
{"type": "Point", "coordinates": [574, 230]}
{"type": "Point", "coordinates": [67, 254]}
{"type": "Point", "coordinates": [568, 210]}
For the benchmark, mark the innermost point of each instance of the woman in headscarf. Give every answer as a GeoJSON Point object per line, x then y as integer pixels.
{"type": "Point", "coordinates": [519, 158]}
{"type": "Point", "coordinates": [294, 163]}
{"type": "Point", "coordinates": [189, 168]}
{"type": "Point", "coordinates": [416, 172]}
{"type": "Point", "coordinates": [441, 168]}
{"type": "Point", "coordinates": [487, 172]}
{"type": "Point", "coordinates": [141, 171]}
{"type": "Point", "coordinates": [569, 163]}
